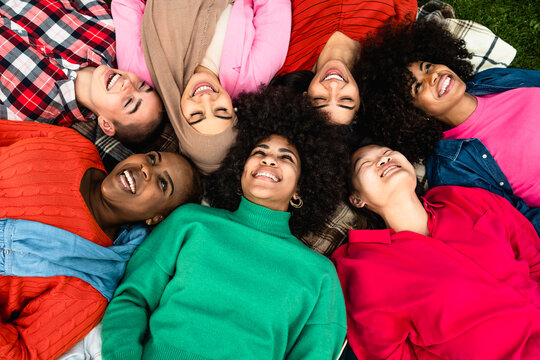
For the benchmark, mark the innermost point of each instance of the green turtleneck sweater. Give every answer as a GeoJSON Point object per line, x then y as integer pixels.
{"type": "Point", "coordinates": [212, 284]}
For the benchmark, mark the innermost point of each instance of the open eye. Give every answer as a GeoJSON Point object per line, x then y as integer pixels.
{"type": "Point", "coordinates": [416, 87]}
{"type": "Point", "coordinates": [427, 67]}
{"type": "Point", "coordinates": [163, 184]}
{"type": "Point", "coordinates": [152, 158]}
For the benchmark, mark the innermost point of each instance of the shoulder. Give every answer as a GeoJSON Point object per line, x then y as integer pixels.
{"type": "Point", "coordinates": [464, 197]}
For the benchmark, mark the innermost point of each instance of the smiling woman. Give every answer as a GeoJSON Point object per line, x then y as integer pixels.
{"type": "Point", "coordinates": [461, 252]}
{"type": "Point", "coordinates": [72, 192]}
{"type": "Point", "coordinates": [290, 154]}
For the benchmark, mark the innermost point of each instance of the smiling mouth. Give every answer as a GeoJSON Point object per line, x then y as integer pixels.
{"type": "Point", "coordinates": [111, 80]}
{"type": "Point", "coordinates": [388, 169]}
{"type": "Point", "coordinates": [444, 84]}
{"type": "Point", "coordinates": [128, 181]}
{"type": "Point", "coordinates": [333, 74]}
{"type": "Point", "coordinates": [203, 88]}
{"type": "Point", "coordinates": [267, 175]}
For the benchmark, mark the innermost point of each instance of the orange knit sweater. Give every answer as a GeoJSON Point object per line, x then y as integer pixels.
{"type": "Point", "coordinates": [41, 167]}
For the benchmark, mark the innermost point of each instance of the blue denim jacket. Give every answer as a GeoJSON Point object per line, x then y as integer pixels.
{"type": "Point", "coordinates": [467, 162]}
{"type": "Point", "coordinates": [496, 80]}
{"type": "Point", "coordinates": [29, 248]}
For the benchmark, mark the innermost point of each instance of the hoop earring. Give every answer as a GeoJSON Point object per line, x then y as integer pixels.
{"type": "Point", "coordinates": [297, 204]}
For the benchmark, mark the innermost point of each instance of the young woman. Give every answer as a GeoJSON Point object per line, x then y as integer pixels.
{"type": "Point", "coordinates": [454, 274]}
{"type": "Point", "coordinates": [415, 77]}
{"type": "Point", "coordinates": [54, 176]}
{"type": "Point", "coordinates": [249, 288]}
{"type": "Point", "coordinates": [215, 50]}
{"type": "Point", "coordinates": [325, 44]}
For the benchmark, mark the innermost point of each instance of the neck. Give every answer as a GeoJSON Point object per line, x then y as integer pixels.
{"type": "Point", "coordinates": [406, 214]}
{"type": "Point", "coordinates": [104, 217]}
{"type": "Point", "coordinates": [461, 112]}
{"type": "Point", "coordinates": [339, 47]}
{"type": "Point", "coordinates": [83, 83]}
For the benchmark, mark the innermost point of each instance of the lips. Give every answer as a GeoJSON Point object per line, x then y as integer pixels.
{"type": "Point", "coordinates": [127, 181]}
{"type": "Point", "coordinates": [203, 88]}
{"type": "Point", "coordinates": [445, 84]}
{"type": "Point", "coordinates": [266, 175]}
{"type": "Point", "coordinates": [389, 168]}
{"type": "Point", "coordinates": [333, 74]}
{"type": "Point", "coordinates": [110, 79]}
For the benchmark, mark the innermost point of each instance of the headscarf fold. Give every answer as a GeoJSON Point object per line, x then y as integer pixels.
{"type": "Point", "coordinates": [175, 37]}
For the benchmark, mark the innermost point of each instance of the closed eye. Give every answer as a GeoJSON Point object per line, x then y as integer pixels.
{"type": "Point", "coordinates": [130, 100]}
{"type": "Point", "coordinates": [258, 152]}
{"type": "Point", "coordinates": [287, 157]}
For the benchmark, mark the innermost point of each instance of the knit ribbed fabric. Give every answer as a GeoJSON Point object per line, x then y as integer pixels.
{"type": "Point", "coordinates": [313, 22]}
{"type": "Point", "coordinates": [41, 167]}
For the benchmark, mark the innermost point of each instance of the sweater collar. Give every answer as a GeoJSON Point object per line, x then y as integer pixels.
{"type": "Point", "coordinates": [263, 219]}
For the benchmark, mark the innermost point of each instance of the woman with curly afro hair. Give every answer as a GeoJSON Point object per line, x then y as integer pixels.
{"type": "Point", "coordinates": [415, 94]}
{"type": "Point", "coordinates": [241, 277]}
{"type": "Point", "coordinates": [277, 111]}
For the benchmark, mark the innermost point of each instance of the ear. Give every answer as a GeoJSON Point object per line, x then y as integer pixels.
{"type": "Point", "coordinates": [154, 220]}
{"type": "Point", "coordinates": [356, 201]}
{"type": "Point", "coordinates": [106, 125]}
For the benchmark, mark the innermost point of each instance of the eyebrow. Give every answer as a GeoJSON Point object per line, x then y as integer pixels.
{"type": "Point", "coordinates": [170, 181]}
{"type": "Point", "coordinates": [421, 66]}
{"type": "Point", "coordinates": [137, 105]}
{"type": "Point", "coordinates": [159, 155]}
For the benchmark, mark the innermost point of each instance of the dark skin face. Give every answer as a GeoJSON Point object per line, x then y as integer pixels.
{"type": "Point", "coordinates": [144, 187]}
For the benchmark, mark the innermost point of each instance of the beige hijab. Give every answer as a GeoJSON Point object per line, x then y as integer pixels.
{"type": "Point", "coordinates": [175, 36]}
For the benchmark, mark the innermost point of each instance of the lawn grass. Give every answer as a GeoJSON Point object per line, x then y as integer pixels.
{"type": "Point", "coordinates": [515, 21]}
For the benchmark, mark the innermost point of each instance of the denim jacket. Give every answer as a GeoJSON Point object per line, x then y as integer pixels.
{"type": "Point", "coordinates": [467, 162]}
{"type": "Point", "coordinates": [29, 248]}
{"type": "Point", "coordinates": [497, 80]}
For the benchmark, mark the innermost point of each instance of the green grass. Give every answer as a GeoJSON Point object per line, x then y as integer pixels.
{"type": "Point", "coordinates": [515, 21]}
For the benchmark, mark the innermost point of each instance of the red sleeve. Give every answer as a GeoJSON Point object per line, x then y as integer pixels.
{"type": "Point", "coordinates": [42, 317]}
{"type": "Point", "coordinates": [406, 10]}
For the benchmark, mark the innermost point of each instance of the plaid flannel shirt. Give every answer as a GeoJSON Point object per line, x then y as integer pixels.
{"type": "Point", "coordinates": [42, 45]}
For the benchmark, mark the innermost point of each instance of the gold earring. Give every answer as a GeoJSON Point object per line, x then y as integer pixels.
{"type": "Point", "coordinates": [148, 222]}
{"type": "Point", "coordinates": [296, 203]}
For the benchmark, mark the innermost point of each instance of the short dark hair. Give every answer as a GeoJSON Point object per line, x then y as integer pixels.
{"type": "Point", "coordinates": [321, 147]}
{"type": "Point", "coordinates": [135, 134]}
{"type": "Point", "coordinates": [385, 83]}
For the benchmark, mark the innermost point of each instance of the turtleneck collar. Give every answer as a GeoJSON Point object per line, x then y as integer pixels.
{"type": "Point", "coordinates": [263, 219]}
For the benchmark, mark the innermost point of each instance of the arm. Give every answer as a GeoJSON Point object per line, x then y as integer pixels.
{"type": "Point", "coordinates": [127, 16]}
{"type": "Point", "coordinates": [147, 274]}
{"type": "Point", "coordinates": [268, 26]}
{"type": "Point", "coordinates": [406, 10]}
{"type": "Point", "coordinates": [13, 131]}
{"type": "Point", "coordinates": [53, 314]}
{"type": "Point", "coordinates": [324, 333]}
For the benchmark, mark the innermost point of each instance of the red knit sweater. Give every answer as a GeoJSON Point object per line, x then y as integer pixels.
{"type": "Point", "coordinates": [41, 167]}
{"type": "Point", "coordinates": [313, 22]}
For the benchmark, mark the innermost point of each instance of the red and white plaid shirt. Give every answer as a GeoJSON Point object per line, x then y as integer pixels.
{"type": "Point", "coordinates": [42, 44]}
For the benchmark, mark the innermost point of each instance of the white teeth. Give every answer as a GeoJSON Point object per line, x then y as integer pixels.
{"type": "Point", "coordinates": [113, 81]}
{"type": "Point", "coordinates": [268, 175]}
{"type": "Point", "coordinates": [387, 170]}
{"type": "Point", "coordinates": [444, 86]}
{"type": "Point", "coordinates": [202, 88]}
{"type": "Point", "coordinates": [333, 76]}
{"type": "Point", "coordinates": [130, 180]}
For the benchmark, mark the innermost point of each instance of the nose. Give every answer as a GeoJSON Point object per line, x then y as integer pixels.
{"type": "Point", "coordinates": [127, 84]}
{"type": "Point", "coordinates": [146, 172]}
{"type": "Point", "coordinates": [268, 161]}
{"type": "Point", "coordinates": [432, 76]}
{"type": "Point", "coordinates": [384, 160]}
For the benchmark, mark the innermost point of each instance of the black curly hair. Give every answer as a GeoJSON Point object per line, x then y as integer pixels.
{"type": "Point", "coordinates": [385, 84]}
{"type": "Point", "coordinates": [322, 149]}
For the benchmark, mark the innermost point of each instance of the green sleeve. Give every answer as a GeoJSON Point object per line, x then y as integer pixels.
{"type": "Point", "coordinates": [323, 335]}
{"type": "Point", "coordinates": [147, 274]}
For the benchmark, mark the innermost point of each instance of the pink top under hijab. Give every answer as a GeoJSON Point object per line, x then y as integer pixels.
{"type": "Point", "coordinates": [508, 124]}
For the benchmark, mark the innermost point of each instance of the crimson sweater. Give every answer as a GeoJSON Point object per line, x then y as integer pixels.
{"type": "Point", "coordinates": [41, 167]}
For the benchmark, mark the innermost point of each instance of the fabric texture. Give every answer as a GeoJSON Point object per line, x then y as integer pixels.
{"type": "Point", "coordinates": [467, 162]}
{"type": "Point", "coordinates": [469, 290]}
{"type": "Point", "coordinates": [496, 80]}
{"type": "Point", "coordinates": [314, 22]}
{"type": "Point", "coordinates": [24, 252]}
{"type": "Point", "coordinates": [42, 317]}
{"type": "Point", "coordinates": [175, 36]}
{"type": "Point", "coordinates": [507, 124]}
{"type": "Point", "coordinates": [489, 51]}
{"type": "Point", "coordinates": [43, 44]}
{"type": "Point", "coordinates": [261, 295]}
